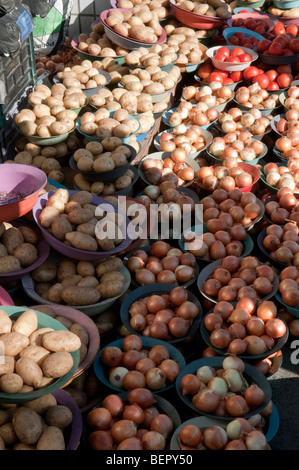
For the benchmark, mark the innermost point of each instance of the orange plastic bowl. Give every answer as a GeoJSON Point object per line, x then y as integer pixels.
{"type": "Point", "coordinates": [26, 181]}
{"type": "Point", "coordinates": [194, 20]}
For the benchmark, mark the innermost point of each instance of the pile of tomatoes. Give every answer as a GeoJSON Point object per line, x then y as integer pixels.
{"type": "Point", "coordinates": [270, 80]}
{"type": "Point", "coordinates": [208, 74]}
{"type": "Point", "coordinates": [234, 56]}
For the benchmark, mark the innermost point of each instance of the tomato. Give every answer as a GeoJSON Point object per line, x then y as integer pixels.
{"type": "Point", "coordinates": [227, 81]}
{"type": "Point", "coordinates": [247, 44]}
{"type": "Point", "coordinates": [262, 80]}
{"type": "Point", "coordinates": [250, 72]}
{"type": "Point", "coordinates": [250, 24]}
{"type": "Point", "coordinates": [236, 76]}
{"type": "Point", "coordinates": [273, 86]}
{"type": "Point", "coordinates": [287, 52]}
{"type": "Point", "coordinates": [240, 35]}
{"type": "Point", "coordinates": [236, 51]}
{"type": "Point", "coordinates": [245, 58]}
{"type": "Point", "coordinates": [279, 28]}
{"type": "Point", "coordinates": [260, 30]}
{"type": "Point", "coordinates": [292, 28]}
{"type": "Point", "coordinates": [272, 75]}
{"type": "Point", "coordinates": [220, 57]}
{"type": "Point", "coordinates": [275, 49]}
{"type": "Point", "coordinates": [224, 50]}
{"type": "Point", "coordinates": [234, 40]}
{"type": "Point", "coordinates": [263, 46]}
{"type": "Point", "coordinates": [254, 40]}
{"type": "Point", "coordinates": [238, 22]}
{"type": "Point", "coordinates": [284, 69]}
{"type": "Point", "coordinates": [233, 60]}
{"type": "Point", "coordinates": [215, 77]}
{"type": "Point", "coordinates": [204, 70]}
{"type": "Point", "coordinates": [294, 45]}
{"type": "Point", "coordinates": [284, 80]}
{"type": "Point", "coordinates": [224, 73]}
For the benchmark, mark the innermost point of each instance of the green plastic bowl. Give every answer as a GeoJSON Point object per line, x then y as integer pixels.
{"type": "Point", "coordinates": [43, 321]}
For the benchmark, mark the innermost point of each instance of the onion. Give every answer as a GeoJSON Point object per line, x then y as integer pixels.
{"type": "Point", "coordinates": [218, 385]}
{"type": "Point", "coordinates": [116, 376]}
{"type": "Point", "coordinates": [134, 263]}
{"type": "Point", "coordinates": [141, 396]}
{"type": "Point", "coordinates": [215, 437]}
{"type": "Point", "coordinates": [162, 424]}
{"type": "Point", "coordinates": [232, 362]}
{"type": "Point", "coordinates": [100, 440]}
{"type": "Point", "coordinates": [234, 380]}
{"type": "Point", "coordinates": [256, 440]}
{"type": "Point", "coordinates": [111, 356]}
{"type": "Point", "coordinates": [207, 401]}
{"type": "Point", "coordinates": [237, 444]}
{"type": "Point", "coordinates": [266, 310]}
{"type": "Point", "coordinates": [149, 414]}
{"type": "Point", "coordinates": [155, 378]}
{"type": "Point", "coordinates": [239, 316]}
{"type": "Point", "coordinates": [255, 345]}
{"type": "Point", "coordinates": [158, 330]}
{"type": "Point", "coordinates": [237, 331]}
{"type": "Point", "coordinates": [144, 364]}
{"type": "Point", "coordinates": [190, 384]}
{"type": "Point", "coordinates": [138, 322]}
{"type": "Point", "coordinates": [155, 303]}
{"type": "Point", "coordinates": [114, 405]}
{"type": "Point", "coordinates": [224, 309]}
{"type": "Point", "coordinates": [213, 321]}
{"type": "Point", "coordinates": [220, 338]}
{"type": "Point", "coordinates": [236, 406]}
{"type": "Point", "coordinates": [132, 443]}
{"type": "Point", "coordinates": [294, 327]}
{"type": "Point", "coordinates": [190, 435]}
{"type": "Point", "coordinates": [237, 346]}
{"type": "Point", "coordinates": [158, 354]}
{"type": "Point", "coordinates": [134, 413]}
{"type": "Point", "coordinates": [263, 366]}
{"type": "Point", "coordinates": [170, 368]}
{"type": "Point", "coordinates": [133, 379]}
{"type": "Point", "coordinates": [255, 326]}
{"type": "Point", "coordinates": [144, 276]}
{"type": "Point", "coordinates": [153, 440]}
{"type": "Point", "coordinates": [238, 428]}
{"type": "Point", "coordinates": [268, 410]}
{"type": "Point", "coordinates": [205, 374]}
{"type": "Point", "coordinates": [178, 327]}
{"type": "Point", "coordinates": [275, 328]}
{"type": "Point", "coordinates": [187, 310]}
{"type": "Point", "coordinates": [99, 418]}
{"type": "Point", "coordinates": [178, 295]}
{"type": "Point", "coordinates": [254, 396]}
{"type": "Point", "coordinates": [123, 429]}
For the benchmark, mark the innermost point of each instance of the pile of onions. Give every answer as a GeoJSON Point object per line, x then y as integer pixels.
{"type": "Point", "coordinates": [284, 178]}
{"type": "Point", "coordinates": [245, 328]}
{"type": "Point", "coordinates": [173, 169]}
{"type": "Point", "coordinates": [282, 243]}
{"type": "Point", "coordinates": [133, 366]}
{"type": "Point", "coordinates": [136, 424]}
{"type": "Point", "coordinates": [256, 97]}
{"type": "Point", "coordinates": [220, 241]}
{"type": "Point", "coordinates": [161, 264]}
{"type": "Point", "coordinates": [289, 285]}
{"type": "Point", "coordinates": [239, 434]}
{"type": "Point", "coordinates": [183, 137]}
{"type": "Point", "coordinates": [200, 115]}
{"type": "Point", "coordinates": [165, 316]}
{"type": "Point", "coordinates": [238, 121]}
{"type": "Point", "coordinates": [233, 207]}
{"type": "Point", "coordinates": [227, 176]}
{"type": "Point", "coordinates": [223, 392]}
{"type": "Point", "coordinates": [237, 278]}
{"type": "Point", "coordinates": [238, 146]}
{"type": "Point", "coordinates": [212, 95]}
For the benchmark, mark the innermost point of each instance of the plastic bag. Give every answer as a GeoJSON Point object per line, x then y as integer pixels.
{"type": "Point", "coordinates": [15, 27]}
{"type": "Point", "coordinates": [39, 8]}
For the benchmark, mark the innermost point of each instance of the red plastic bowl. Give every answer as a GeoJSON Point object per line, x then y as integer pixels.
{"type": "Point", "coordinates": [251, 169]}
{"type": "Point", "coordinates": [5, 298]}
{"type": "Point", "coordinates": [194, 20]}
{"type": "Point", "coordinates": [21, 179]}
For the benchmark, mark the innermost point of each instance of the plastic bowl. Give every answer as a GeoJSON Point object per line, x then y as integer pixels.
{"type": "Point", "coordinates": [91, 138]}
{"type": "Point", "coordinates": [271, 189]}
{"type": "Point", "coordinates": [220, 107]}
{"type": "Point", "coordinates": [228, 32]}
{"type": "Point", "coordinates": [161, 156]}
{"type": "Point", "coordinates": [252, 162]}
{"type": "Point", "coordinates": [43, 252]}
{"type": "Point", "coordinates": [91, 91]}
{"type": "Point", "coordinates": [260, 239]}
{"type": "Point", "coordinates": [205, 133]}
{"type": "Point", "coordinates": [156, 97]}
{"type": "Point", "coordinates": [25, 180]}
{"type": "Point", "coordinates": [280, 342]}
{"type": "Point", "coordinates": [286, 5]}
{"type": "Point", "coordinates": [86, 56]}
{"type": "Point", "coordinates": [278, 60]}
{"type": "Point", "coordinates": [126, 42]}
{"type": "Point", "coordinates": [256, 137]}
{"type": "Point", "coordinates": [254, 172]}
{"type": "Point", "coordinates": [251, 374]}
{"type": "Point", "coordinates": [74, 430]}
{"type": "Point", "coordinates": [107, 175]}
{"type": "Point", "coordinates": [141, 137]}
{"type": "Point", "coordinates": [159, 289]}
{"type": "Point", "coordinates": [292, 310]}
{"type": "Point", "coordinates": [285, 21]}
{"type": "Point", "coordinates": [168, 113]}
{"type": "Point", "coordinates": [43, 321]}
{"type": "Point", "coordinates": [5, 298]}
{"type": "Point", "coordinates": [228, 66]}
{"type": "Point", "coordinates": [194, 20]}
{"type": "Point", "coordinates": [275, 121]}
{"type": "Point", "coordinates": [247, 243]}
{"type": "Point", "coordinates": [69, 250]}
{"type": "Point", "coordinates": [36, 139]}
{"type": "Point", "coordinates": [210, 268]}
{"type": "Point", "coordinates": [101, 371]}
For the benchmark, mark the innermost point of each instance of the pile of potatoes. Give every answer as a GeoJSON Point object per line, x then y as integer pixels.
{"type": "Point", "coordinates": [33, 357]}
{"type": "Point", "coordinates": [101, 157]}
{"type": "Point", "coordinates": [82, 77]}
{"type": "Point", "coordinates": [175, 27]}
{"type": "Point", "coordinates": [73, 221]}
{"type": "Point", "coordinates": [40, 424]}
{"type": "Point", "coordinates": [100, 188]}
{"type": "Point", "coordinates": [151, 80]}
{"type": "Point", "coordinates": [78, 283]}
{"type": "Point", "coordinates": [102, 126]}
{"type": "Point", "coordinates": [288, 13]}
{"type": "Point", "coordinates": [184, 42]}
{"type": "Point", "coordinates": [213, 8]}
{"type": "Point", "coordinates": [98, 44]}
{"type": "Point", "coordinates": [160, 7]}
{"type": "Point", "coordinates": [140, 23]}
{"type": "Point", "coordinates": [18, 247]}
{"type": "Point", "coordinates": [71, 144]}
{"type": "Point", "coordinates": [159, 54]}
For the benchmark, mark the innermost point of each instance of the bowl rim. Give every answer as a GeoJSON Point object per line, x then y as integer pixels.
{"type": "Point", "coordinates": [35, 172]}
{"type": "Point", "coordinates": [76, 425]}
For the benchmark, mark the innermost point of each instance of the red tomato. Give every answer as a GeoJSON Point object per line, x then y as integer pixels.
{"type": "Point", "coordinates": [292, 28]}
{"type": "Point", "coordinates": [233, 60]}
{"type": "Point", "coordinates": [236, 51]}
{"type": "Point", "coordinates": [284, 80]}
{"type": "Point", "coordinates": [220, 57]}
{"type": "Point", "coordinates": [215, 77]}
{"type": "Point", "coordinates": [250, 72]}
{"type": "Point", "coordinates": [247, 44]}
{"type": "Point", "coordinates": [240, 35]}
{"type": "Point", "coordinates": [239, 22]}
{"type": "Point", "coordinates": [227, 81]}
{"type": "Point", "coordinates": [272, 75]}
{"type": "Point", "coordinates": [287, 52]}
{"type": "Point", "coordinates": [281, 39]}
{"type": "Point", "coordinates": [262, 80]}
{"type": "Point", "coordinates": [294, 45]}
{"type": "Point", "coordinates": [224, 50]}
{"type": "Point", "coordinates": [275, 49]}
{"type": "Point", "coordinates": [224, 73]}
{"type": "Point", "coordinates": [245, 58]}
{"type": "Point", "coordinates": [263, 46]}
{"type": "Point", "coordinates": [273, 86]}
{"type": "Point", "coordinates": [284, 69]}
{"type": "Point", "coordinates": [260, 30]}
{"type": "Point", "coordinates": [236, 76]}
{"type": "Point", "coordinates": [279, 28]}
{"type": "Point", "coordinates": [234, 40]}
{"type": "Point", "coordinates": [269, 36]}
{"type": "Point", "coordinates": [254, 40]}
{"type": "Point", "coordinates": [250, 24]}
{"type": "Point", "coordinates": [204, 70]}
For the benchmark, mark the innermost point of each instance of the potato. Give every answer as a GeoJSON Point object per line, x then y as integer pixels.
{"type": "Point", "coordinates": [78, 295]}
{"type": "Point", "coordinates": [41, 288]}
{"type": "Point", "coordinates": [109, 289]}
{"type": "Point", "coordinates": [88, 228]}
{"type": "Point", "coordinates": [51, 439]}
{"type": "Point", "coordinates": [113, 264]}
{"type": "Point", "coordinates": [81, 332]}
{"type": "Point", "coordinates": [29, 370]}
{"type": "Point", "coordinates": [8, 434]}
{"type": "Point", "coordinates": [35, 339]}
{"type": "Point", "coordinates": [37, 353]}
{"type": "Point", "coordinates": [82, 183]}
{"type": "Point", "coordinates": [21, 446]}
{"type": "Point", "coordinates": [25, 114]}
{"type": "Point", "coordinates": [46, 272]}
{"type": "Point", "coordinates": [54, 293]}
{"type": "Point", "coordinates": [47, 215]}
{"type": "Point", "coordinates": [112, 276]}
{"type": "Point", "coordinates": [11, 383]}
{"type": "Point", "coordinates": [45, 382]}
{"type": "Point", "coordinates": [81, 241]}
{"type": "Point", "coordinates": [71, 280]}
{"type": "Point", "coordinates": [57, 176]}
{"type": "Point", "coordinates": [24, 158]}
{"type": "Point", "coordinates": [88, 281]}
{"type": "Point", "coordinates": [71, 206]}
{"type": "Point", "coordinates": [11, 239]}
{"type": "Point", "coordinates": [65, 269]}
{"type": "Point", "coordinates": [29, 235]}
{"type": "Point", "coordinates": [26, 323]}
{"type": "Point", "coordinates": [57, 202]}
{"type": "Point", "coordinates": [7, 364]}
{"type": "Point", "coordinates": [64, 321]}
{"type": "Point", "coordinates": [60, 226]}
{"type": "Point", "coordinates": [27, 425]}
{"type": "Point", "coordinates": [59, 128]}
{"type": "Point", "coordinates": [57, 364]}
{"type": "Point", "coordinates": [61, 340]}
{"type": "Point", "coordinates": [59, 416]}
{"type": "Point", "coordinates": [13, 343]}
{"type": "Point", "coordinates": [42, 404]}
{"type": "Point", "coordinates": [5, 322]}
{"type": "Point", "coordinates": [26, 253]}
{"type": "Point", "coordinates": [103, 164]}
{"type": "Point", "coordinates": [82, 197]}
{"type": "Point", "coordinates": [4, 417]}
{"type": "Point", "coordinates": [46, 310]}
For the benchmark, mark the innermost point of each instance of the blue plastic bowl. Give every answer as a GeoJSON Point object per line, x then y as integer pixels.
{"type": "Point", "coordinates": [141, 137]}
{"type": "Point", "coordinates": [238, 10]}
{"type": "Point", "coordinates": [147, 343]}
{"type": "Point", "coordinates": [228, 32]}
{"type": "Point", "coordinates": [286, 5]}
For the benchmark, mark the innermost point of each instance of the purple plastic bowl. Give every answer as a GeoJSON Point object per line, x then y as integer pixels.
{"type": "Point", "coordinates": [75, 432]}
{"type": "Point", "coordinates": [69, 250]}
{"type": "Point", "coordinates": [43, 252]}
{"type": "Point", "coordinates": [5, 298]}
{"type": "Point", "coordinates": [75, 316]}
{"type": "Point", "coordinates": [21, 179]}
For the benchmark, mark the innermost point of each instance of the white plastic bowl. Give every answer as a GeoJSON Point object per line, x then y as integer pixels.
{"type": "Point", "coordinates": [228, 66]}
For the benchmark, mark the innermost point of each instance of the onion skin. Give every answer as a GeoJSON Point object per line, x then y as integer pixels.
{"type": "Point", "coordinates": [170, 368]}
{"type": "Point", "coordinates": [134, 413]}
{"type": "Point", "coordinates": [190, 384]}
{"type": "Point", "coordinates": [236, 406]}
{"type": "Point", "coordinates": [100, 440]}
{"type": "Point", "coordinates": [141, 396]}
{"type": "Point", "coordinates": [111, 356]}
{"type": "Point", "coordinates": [215, 438]}
{"type": "Point", "coordinates": [256, 440]}
{"type": "Point", "coordinates": [99, 419]}
{"type": "Point", "coordinates": [162, 424]}
{"type": "Point", "coordinates": [123, 429]}
{"type": "Point", "coordinates": [190, 435]}
{"type": "Point", "coordinates": [155, 378]}
{"type": "Point", "coordinates": [236, 444]}
{"type": "Point", "coordinates": [207, 401]}
{"type": "Point", "coordinates": [158, 354]}
{"type": "Point", "coordinates": [153, 440]}
{"type": "Point", "coordinates": [114, 405]}
{"type": "Point", "coordinates": [131, 443]}
{"type": "Point", "coordinates": [254, 396]}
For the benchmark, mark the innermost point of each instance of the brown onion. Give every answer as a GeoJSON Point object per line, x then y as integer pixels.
{"type": "Point", "coordinates": [162, 424]}
{"type": "Point", "coordinates": [178, 327]}
{"type": "Point", "coordinates": [220, 338]}
{"type": "Point", "coordinates": [111, 356]}
{"type": "Point", "coordinates": [255, 345]}
{"type": "Point", "coordinates": [190, 435]}
{"type": "Point", "coordinates": [100, 440]}
{"type": "Point", "coordinates": [131, 443]}
{"type": "Point", "coordinates": [254, 396]}
{"type": "Point", "coordinates": [256, 440]}
{"type": "Point", "coordinates": [158, 354]}
{"type": "Point", "coordinates": [275, 328]}
{"type": "Point", "coordinates": [141, 396]}
{"type": "Point", "coordinates": [170, 368]}
{"type": "Point", "coordinates": [114, 405]}
{"type": "Point", "coordinates": [207, 401]}
{"type": "Point", "coordinates": [158, 330]}
{"type": "Point", "coordinates": [236, 406]}
{"type": "Point", "coordinates": [123, 429]}
{"type": "Point", "coordinates": [99, 418]}
{"type": "Point", "coordinates": [153, 440]}
{"type": "Point", "coordinates": [215, 437]}
{"type": "Point", "coordinates": [134, 413]}
{"type": "Point", "coordinates": [190, 384]}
